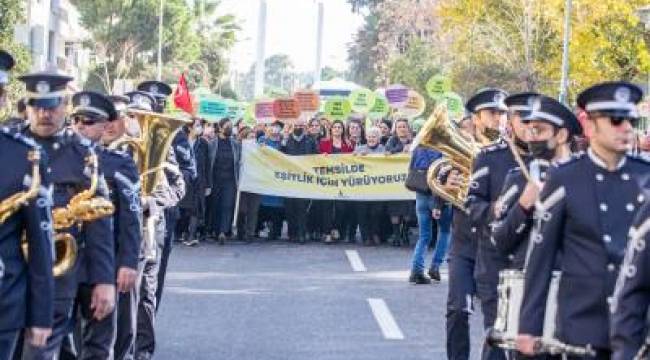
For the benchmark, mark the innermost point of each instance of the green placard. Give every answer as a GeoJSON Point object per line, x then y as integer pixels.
{"type": "Point", "coordinates": [362, 100]}
{"type": "Point", "coordinates": [212, 108]}
{"type": "Point", "coordinates": [455, 105]}
{"type": "Point", "coordinates": [437, 86]}
{"type": "Point", "coordinates": [338, 108]}
{"type": "Point", "coordinates": [380, 108]}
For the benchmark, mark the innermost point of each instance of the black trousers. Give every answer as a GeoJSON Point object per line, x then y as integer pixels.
{"type": "Point", "coordinates": [334, 213]}
{"type": "Point", "coordinates": [91, 338]}
{"type": "Point", "coordinates": [275, 217]}
{"type": "Point", "coordinates": [127, 315]}
{"type": "Point", "coordinates": [8, 341]}
{"type": "Point", "coordinates": [222, 198]}
{"type": "Point", "coordinates": [297, 217]}
{"type": "Point", "coordinates": [315, 216]}
{"type": "Point", "coordinates": [63, 324]}
{"type": "Point", "coordinates": [249, 207]}
{"type": "Point", "coordinates": [171, 218]}
{"type": "Point", "coordinates": [460, 305]}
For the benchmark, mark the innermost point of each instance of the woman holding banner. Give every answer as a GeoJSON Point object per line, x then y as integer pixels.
{"type": "Point", "coordinates": [368, 212]}
{"type": "Point", "coordinates": [338, 143]}
{"type": "Point", "coordinates": [400, 211]}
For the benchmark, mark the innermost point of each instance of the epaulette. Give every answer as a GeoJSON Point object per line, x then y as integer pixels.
{"type": "Point", "coordinates": [494, 147]}
{"type": "Point", "coordinates": [571, 159]}
{"type": "Point", "coordinates": [17, 136]}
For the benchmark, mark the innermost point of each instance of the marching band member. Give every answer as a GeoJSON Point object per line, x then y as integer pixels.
{"type": "Point", "coordinates": [26, 286]}
{"type": "Point", "coordinates": [490, 168]}
{"type": "Point", "coordinates": [632, 295]}
{"type": "Point", "coordinates": [551, 127]}
{"type": "Point", "coordinates": [185, 158]}
{"type": "Point", "coordinates": [586, 208]}
{"type": "Point", "coordinates": [67, 154]}
{"type": "Point", "coordinates": [165, 195]}
{"type": "Point", "coordinates": [92, 112]}
{"type": "Point", "coordinates": [127, 302]}
{"type": "Point", "coordinates": [487, 109]}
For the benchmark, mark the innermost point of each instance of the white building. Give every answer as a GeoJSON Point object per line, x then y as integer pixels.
{"type": "Point", "coordinates": [54, 34]}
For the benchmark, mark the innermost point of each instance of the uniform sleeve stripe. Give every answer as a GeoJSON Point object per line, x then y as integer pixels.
{"type": "Point", "coordinates": [480, 173]}
{"type": "Point", "coordinates": [509, 194]}
{"type": "Point", "coordinates": [552, 199]}
{"type": "Point", "coordinates": [124, 180]}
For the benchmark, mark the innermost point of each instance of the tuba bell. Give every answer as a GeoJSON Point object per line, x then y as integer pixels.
{"type": "Point", "coordinates": [458, 153]}
{"type": "Point", "coordinates": [150, 148]}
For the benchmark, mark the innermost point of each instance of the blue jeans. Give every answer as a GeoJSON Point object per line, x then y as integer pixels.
{"type": "Point", "coordinates": [424, 204]}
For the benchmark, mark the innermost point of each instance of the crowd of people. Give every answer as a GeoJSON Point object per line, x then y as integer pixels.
{"type": "Point", "coordinates": [542, 198]}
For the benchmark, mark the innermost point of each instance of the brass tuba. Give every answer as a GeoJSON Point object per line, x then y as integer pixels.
{"type": "Point", "coordinates": [150, 149]}
{"type": "Point", "coordinates": [10, 205]}
{"type": "Point", "coordinates": [458, 153]}
{"type": "Point", "coordinates": [83, 207]}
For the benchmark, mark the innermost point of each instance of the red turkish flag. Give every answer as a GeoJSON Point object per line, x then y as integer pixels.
{"type": "Point", "coordinates": [182, 98]}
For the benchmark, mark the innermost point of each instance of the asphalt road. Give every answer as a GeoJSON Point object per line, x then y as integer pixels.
{"type": "Point", "coordinates": [282, 301]}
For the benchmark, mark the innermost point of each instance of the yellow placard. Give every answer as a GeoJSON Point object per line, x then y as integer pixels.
{"type": "Point", "coordinates": [374, 177]}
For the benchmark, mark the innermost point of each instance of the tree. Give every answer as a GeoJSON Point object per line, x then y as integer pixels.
{"type": "Point", "coordinates": [362, 53]}
{"type": "Point", "coordinates": [279, 72]}
{"type": "Point", "coordinates": [329, 73]}
{"type": "Point", "coordinates": [11, 13]}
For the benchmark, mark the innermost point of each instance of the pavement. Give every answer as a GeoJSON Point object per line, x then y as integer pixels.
{"type": "Point", "coordinates": [286, 301]}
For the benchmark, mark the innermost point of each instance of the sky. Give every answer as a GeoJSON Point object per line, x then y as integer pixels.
{"type": "Point", "coordinates": [291, 30]}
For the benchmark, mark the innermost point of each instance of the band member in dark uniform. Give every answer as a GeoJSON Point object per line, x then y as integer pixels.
{"type": "Point", "coordinates": [487, 109]}
{"type": "Point", "coordinates": [165, 195]}
{"type": "Point", "coordinates": [551, 127]}
{"type": "Point", "coordinates": [91, 113]}
{"type": "Point", "coordinates": [127, 304]}
{"type": "Point", "coordinates": [586, 208]}
{"type": "Point", "coordinates": [26, 286]}
{"type": "Point", "coordinates": [187, 165]}
{"type": "Point", "coordinates": [629, 332]}
{"type": "Point", "coordinates": [490, 169]}
{"type": "Point", "coordinates": [69, 172]}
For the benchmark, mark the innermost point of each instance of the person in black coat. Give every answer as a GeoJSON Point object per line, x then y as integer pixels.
{"type": "Point", "coordinates": [295, 144]}
{"type": "Point", "coordinates": [192, 206]}
{"type": "Point", "coordinates": [225, 157]}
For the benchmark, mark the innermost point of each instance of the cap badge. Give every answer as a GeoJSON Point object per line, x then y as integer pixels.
{"type": "Point", "coordinates": [535, 103]}
{"type": "Point", "coordinates": [154, 88]}
{"type": "Point", "coordinates": [42, 87]}
{"type": "Point", "coordinates": [622, 94]}
{"type": "Point", "coordinates": [84, 100]}
{"type": "Point", "coordinates": [499, 97]}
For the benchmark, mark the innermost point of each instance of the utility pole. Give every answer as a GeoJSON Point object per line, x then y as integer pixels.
{"type": "Point", "coordinates": [564, 82]}
{"type": "Point", "coordinates": [319, 43]}
{"type": "Point", "coordinates": [261, 44]}
{"type": "Point", "coordinates": [160, 35]}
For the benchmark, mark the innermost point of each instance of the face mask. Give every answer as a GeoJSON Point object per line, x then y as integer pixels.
{"type": "Point", "coordinates": [297, 131]}
{"type": "Point", "coordinates": [541, 149]}
{"type": "Point", "coordinates": [520, 143]}
{"type": "Point", "coordinates": [198, 129]}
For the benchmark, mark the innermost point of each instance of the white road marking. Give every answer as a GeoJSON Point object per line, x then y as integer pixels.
{"type": "Point", "coordinates": [195, 291]}
{"type": "Point", "coordinates": [385, 319]}
{"type": "Point", "coordinates": [355, 261]}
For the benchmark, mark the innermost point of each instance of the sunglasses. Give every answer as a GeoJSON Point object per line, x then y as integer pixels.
{"type": "Point", "coordinates": [84, 120]}
{"type": "Point", "coordinates": [618, 120]}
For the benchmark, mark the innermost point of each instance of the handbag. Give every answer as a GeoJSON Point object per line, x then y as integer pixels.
{"type": "Point", "coordinates": [416, 180]}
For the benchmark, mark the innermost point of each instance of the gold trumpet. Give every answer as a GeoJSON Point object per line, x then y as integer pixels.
{"type": "Point", "coordinates": [10, 205]}
{"type": "Point", "coordinates": [83, 207]}
{"type": "Point", "coordinates": [458, 153]}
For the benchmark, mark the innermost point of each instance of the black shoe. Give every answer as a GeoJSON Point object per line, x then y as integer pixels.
{"type": "Point", "coordinates": [434, 274]}
{"type": "Point", "coordinates": [419, 279]}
